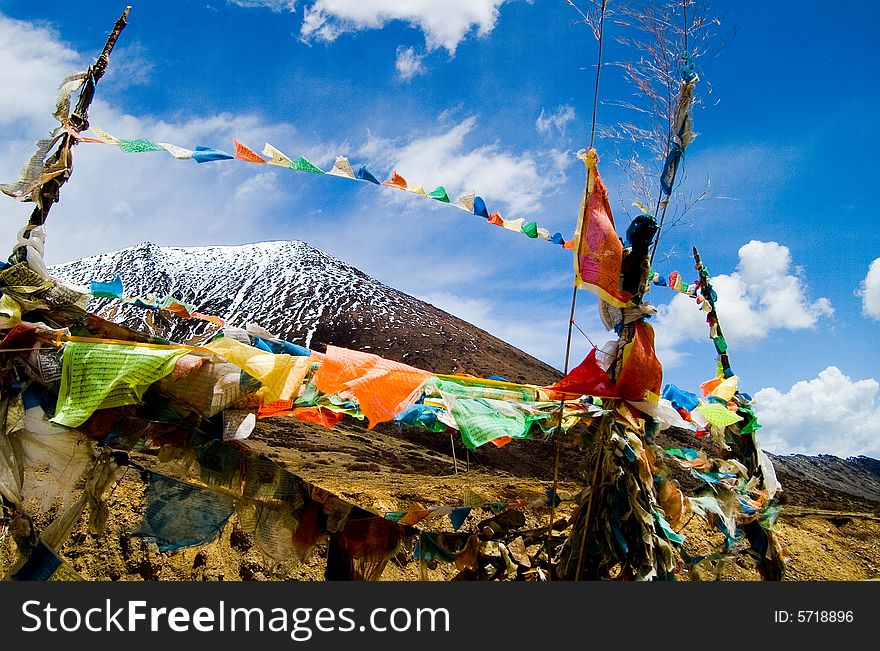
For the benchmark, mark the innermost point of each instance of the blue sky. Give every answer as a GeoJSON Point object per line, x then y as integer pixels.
{"type": "Point", "coordinates": [493, 96]}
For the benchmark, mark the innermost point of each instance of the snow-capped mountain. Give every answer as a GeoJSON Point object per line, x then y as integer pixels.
{"type": "Point", "coordinates": [302, 295]}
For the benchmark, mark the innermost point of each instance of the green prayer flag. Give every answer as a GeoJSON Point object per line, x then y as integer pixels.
{"type": "Point", "coordinates": [439, 194]}
{"type": "Point", "coordinates": [138, 146]}
{"type": "Point", "coordinates": [670, 534]}
{"type": "Point", "coordinates": [719, 415]}
{"type": "Point", "coordinates": [481, 420]}
{"type": "Point", "coordinates": [720, 344]}
{"type": "Point", "coordinates": [302, 164]}
{"type": "Point", "coordinates": [531, 229]}
{"type": "Point", "coordinates": [102, 376]}
{"type": "Point", "coordinates": [752, 424]}
{"type": "Point", "coordinates": [395, 516]}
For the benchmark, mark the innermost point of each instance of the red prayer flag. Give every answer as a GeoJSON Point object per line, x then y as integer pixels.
{"type": "Point", "coordinates": [641, 374]}
{"type": "Point", "coordinates": [586, 379]}
{"type": "Point", "coordinates": [246, 153]}
{"type": "Point", "coordinates": [598, 250]}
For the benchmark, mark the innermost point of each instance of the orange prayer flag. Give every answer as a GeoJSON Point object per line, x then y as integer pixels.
{"type": "Point", "coordinates": [277, 408]}
{"type": "Point", "coordinates": [179, 310]}
{"type": "Point", "coordinates": [397, 181]}
{"type": "Point", "coordinates": [317, 415]}
{"type": "Point", "coordinates": [495, 218]}
{"type": "Point", "coordinates": [381, 386]}
{"type": "Point", "coordinates": [709, 385]}
{"type": "Point", "coordinates": [414, 517]}
{"type": "Point", "coordinates": [246, 153]}
{"type": "Point", "coordinates": [673, 502]}
{"type": "Point", "coordinates": [211, 318]}
{"type": "Point", "coordinates": [598, 250]}
{"type": "Point", "coordinates": [641, 374]}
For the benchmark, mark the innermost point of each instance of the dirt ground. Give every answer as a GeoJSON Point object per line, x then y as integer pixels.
{"type": "Point", "coordinates": [390, 469]}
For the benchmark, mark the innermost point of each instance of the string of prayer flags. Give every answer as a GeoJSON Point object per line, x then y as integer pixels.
{"type": "Point", "coordinates": [458, 514]}
{"type": "Point", "coordinates": [169, 303]}
{"type": "Point", "coordinates": [468, 201]}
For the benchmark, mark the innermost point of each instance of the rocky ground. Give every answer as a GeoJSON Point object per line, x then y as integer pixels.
{"type": "Point", "coordinates": [830, 534]}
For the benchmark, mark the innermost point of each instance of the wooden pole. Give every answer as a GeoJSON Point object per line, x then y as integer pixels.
{"type": "Point", "coordinates": [48, 194]}
{"type": "Point", "coordinates": [599, 38]}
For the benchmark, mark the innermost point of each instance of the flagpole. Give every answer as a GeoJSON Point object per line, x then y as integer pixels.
{"type": "Point", "coordinates": [574, 290]}
{"type": "Point", "coordinates": [666, 153]}
{"type": "Point", "coordinates": [48, 193]}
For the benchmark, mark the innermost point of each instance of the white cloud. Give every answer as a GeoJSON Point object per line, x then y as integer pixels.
{"type": "Point", "coordinates": [519, 180]}
{"type": "Point", "coordinates": [117, 200]}
{"type": "Point", "coordinates": [273, 5]}
{"type": "Point", "coordinates": [870, 291]}
{"type": "Point", "coordinates": [445, 24]}
{"type": "Point", "coordinates": [557, 120]}
{"type": "Point", "coordinates": [131, 66]}
{"type": "Point", "coordinates": [408, 63]}
{"type": "Point", "coordinates": [39, 61]}
{"type": "Point", "coordinates": [829, 414]}
{"type": "Point", "coordinates": [765, 293]}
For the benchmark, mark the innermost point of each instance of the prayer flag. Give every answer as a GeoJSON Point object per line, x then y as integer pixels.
{"type": "Point", "coordinates": [246, 153]}
{"type": "Point", "coordinates": [598, 250]}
